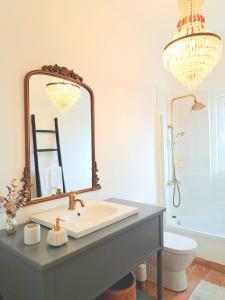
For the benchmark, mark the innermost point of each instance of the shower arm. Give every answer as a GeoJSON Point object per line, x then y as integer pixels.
{"type": "Point", "coordinates": [172, 130]}
{"type": "Point", "coordinates": [177, 99]}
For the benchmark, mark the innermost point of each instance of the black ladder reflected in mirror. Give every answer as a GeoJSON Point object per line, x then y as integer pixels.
{"type": "Point", "coordinates": [36, 151]}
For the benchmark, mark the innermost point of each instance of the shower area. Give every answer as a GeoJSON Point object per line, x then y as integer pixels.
{"type": "Point", "coordinates": [193, 143]}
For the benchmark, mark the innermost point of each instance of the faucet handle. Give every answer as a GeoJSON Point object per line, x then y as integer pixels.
{"type": "Point", "coordinates": [73, 195]}
{"type": "Point", "coordinates": [72, 200]}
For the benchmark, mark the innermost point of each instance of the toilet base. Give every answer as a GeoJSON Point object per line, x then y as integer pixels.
{"type": "Point", "coordinates": [172, 280]}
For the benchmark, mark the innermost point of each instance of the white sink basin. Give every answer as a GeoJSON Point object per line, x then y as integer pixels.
{"type": "Point", "coordinates": [84, 220]}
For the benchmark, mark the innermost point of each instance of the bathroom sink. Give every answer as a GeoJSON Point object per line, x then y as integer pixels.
{"type": "Point", "coordinates": [84, 220]}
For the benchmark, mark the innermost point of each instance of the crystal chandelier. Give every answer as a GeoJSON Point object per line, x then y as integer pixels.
{"type": "Point", "coordinates": [63, 94]}
{"type": "Point", "coordinates": [193, 52]}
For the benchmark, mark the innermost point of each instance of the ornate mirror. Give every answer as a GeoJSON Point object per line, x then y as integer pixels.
{"type": "Point", "coordinates": [59, 134]}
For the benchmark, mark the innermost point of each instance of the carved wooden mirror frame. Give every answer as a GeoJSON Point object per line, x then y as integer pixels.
{"type": "Point", "coordinates": [63, 73]}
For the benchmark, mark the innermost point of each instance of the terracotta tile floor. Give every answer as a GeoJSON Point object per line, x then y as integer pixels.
{"type": "Point", "coordinates": [195, 273]}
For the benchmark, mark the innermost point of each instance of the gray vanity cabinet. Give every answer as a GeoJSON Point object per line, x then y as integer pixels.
{"type": "Point", "coordinates": [84, 268]}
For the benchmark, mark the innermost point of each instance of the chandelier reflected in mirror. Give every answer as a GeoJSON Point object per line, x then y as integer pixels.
{"type": "Point", "coordinates": [63, 94]}
{"type": "Point", "coordinates": [194, 52]}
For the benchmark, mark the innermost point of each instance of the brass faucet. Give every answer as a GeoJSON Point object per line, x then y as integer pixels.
{"type": "Point", "coordinates": [73, 201]}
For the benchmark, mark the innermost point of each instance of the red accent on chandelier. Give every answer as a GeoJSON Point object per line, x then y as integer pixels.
{"type": "Point", "coordinates": [191, 19]}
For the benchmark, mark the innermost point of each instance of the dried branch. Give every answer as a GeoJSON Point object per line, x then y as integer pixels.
{"type": "Point", "coordinates": [16, 197]}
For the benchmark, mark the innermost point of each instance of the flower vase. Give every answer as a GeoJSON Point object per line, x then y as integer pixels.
{"type": "Point", "coordinates": [11, 224]}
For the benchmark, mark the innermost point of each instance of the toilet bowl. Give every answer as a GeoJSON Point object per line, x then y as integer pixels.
{"type": "Point", "coordinates": [178, 253]}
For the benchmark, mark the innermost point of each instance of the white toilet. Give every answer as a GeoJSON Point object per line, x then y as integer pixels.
{"type": "Point", "coordinates": [179, 251]}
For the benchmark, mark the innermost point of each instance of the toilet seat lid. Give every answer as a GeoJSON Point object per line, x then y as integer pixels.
{"type": "Point", "coordinates": [179, 244]}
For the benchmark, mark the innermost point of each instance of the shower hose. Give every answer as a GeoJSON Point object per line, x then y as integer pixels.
{"type": "Point", "coordinates": [176, 188]}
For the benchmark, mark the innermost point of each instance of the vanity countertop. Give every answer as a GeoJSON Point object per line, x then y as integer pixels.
{"type": "Point", "coordinates": [42, 256]}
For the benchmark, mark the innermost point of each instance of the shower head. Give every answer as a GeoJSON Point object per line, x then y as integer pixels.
{"type": "Point", "coordinates": [197, 106]}
{"type": "Point", "coordinates": [180, 134]}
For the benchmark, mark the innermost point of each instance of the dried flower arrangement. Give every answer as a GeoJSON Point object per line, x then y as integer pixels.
{"type": "Point", "coordinates": [13, 201]}
{"type": "Point", "coordinates": [17, 196]}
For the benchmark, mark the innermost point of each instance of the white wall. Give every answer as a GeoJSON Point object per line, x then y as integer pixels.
{"type": "Point", "coordinates": [114, 45]}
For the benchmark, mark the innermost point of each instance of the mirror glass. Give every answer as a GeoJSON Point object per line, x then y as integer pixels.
{"type": "Point", "coordinates": [60, 136]}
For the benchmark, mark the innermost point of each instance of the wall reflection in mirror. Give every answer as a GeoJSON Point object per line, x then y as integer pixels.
{"type": "Point", "coordinates": [60, 136]}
